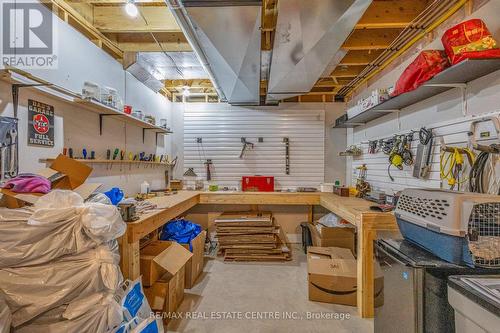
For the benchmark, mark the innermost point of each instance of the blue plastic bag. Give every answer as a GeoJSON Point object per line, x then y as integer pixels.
{"type": "Point", "coordinates": [181, 231]}
{"type": "Point", "coordinates": [115, 195]}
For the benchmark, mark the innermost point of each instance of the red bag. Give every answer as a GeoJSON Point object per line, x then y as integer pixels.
{"type": "Point", "coordinates": [423, 68]}
{"type": "Point", "coordinates": [469, 40]}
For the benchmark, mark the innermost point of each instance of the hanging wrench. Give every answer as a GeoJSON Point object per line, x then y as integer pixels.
{"type": "Point", "coordinates": [13, 153]}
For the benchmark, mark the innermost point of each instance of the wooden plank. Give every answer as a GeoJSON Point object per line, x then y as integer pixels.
{"type": "Point", "coordinates": [347, 71]}
{"type": "Point", "coordinates": [375, 39]}
{"type": "Point", "coordinates": [129, 257]}
{"type": "Point", "coordinates": [360, 57]}
{"type": "Point", "coordinates": [115, 19]}
{"type": "Point", "coordinates": [144, 42]}
{"type": "Point", "coordinates": [261, 198]}
{"type": "Point", "coordinates": [170, 207]}
{"type": "Point", "coordinates": [365, 272]}
{"type": "Point", "coordinates": [80, 23]}
{"type": "Point", "coordinates": [391, 14]}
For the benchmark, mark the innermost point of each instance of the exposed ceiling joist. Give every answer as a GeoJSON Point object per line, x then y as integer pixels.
{"type": "Point", "coordinates": [374, 39]}
{"type": "Point", "coordinates": [150, 42]}
{"type": "Point", "coordinates": [115, 19]}
{"type": "Point", "coordinates": [391, 14]}
{"type": "Point", "coordinates": [360, 57]}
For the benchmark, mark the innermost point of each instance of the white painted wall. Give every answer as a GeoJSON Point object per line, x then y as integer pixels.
{"type": "Point", "coordinates": [80, 60]}
{"type": "Point", "coordinates": [446, 109]}
{"type": "Point", "coordinates": [313, 148]}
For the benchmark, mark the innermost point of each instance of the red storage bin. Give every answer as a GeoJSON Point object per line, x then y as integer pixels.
{"type": "Point", "coordinates": [257, 184]}
{"type": "Point", "coordinates": [423, 68]}
{"type": "Point", "coordinates": [470, 40]}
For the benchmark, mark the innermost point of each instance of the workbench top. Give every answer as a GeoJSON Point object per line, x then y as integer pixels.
{"type": "Point", "coordinates": [168, 207]}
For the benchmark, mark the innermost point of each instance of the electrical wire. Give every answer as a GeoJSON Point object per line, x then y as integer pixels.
{"type": "Point", "coordinates": [425, 135]}
{"type": "Point", "coordinates": [452, 166]}
{"type": "Point", "coordinates": [481, 172]}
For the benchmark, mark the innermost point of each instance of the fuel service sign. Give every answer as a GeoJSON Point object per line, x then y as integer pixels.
{"type": "Point", "coordinates": [40, 124]}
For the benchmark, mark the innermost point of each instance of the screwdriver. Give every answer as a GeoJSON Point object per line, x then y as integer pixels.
{"type": "Point", "coordinates": [92, 155]}
{"type": "Point", "coordinates": [84, 153]}
{"type": "Point", "coordinates": [70, 152]}
{"type": "Point", "coordinates": [115, 153]}
{"type": "Point", "coordinates": [108, 154]}
{"type": "Point", "coordinates": [122, 154]}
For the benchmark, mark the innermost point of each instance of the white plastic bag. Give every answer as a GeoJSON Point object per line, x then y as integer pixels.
{"type": "Point", "coordinates": [333, 221]}
{"type": "Point", "coordinates": [133, 300]}
{"type": "Point", "coordinates": [59, 224]}
{"type": "Point", "coordinates": [150, 325]}
{"type": "Point", "coordinates": [96, 313]}
{"type": "Point", "coordinates": [30, 291]}
{"type": "Point", "coordinates": [5, 316]}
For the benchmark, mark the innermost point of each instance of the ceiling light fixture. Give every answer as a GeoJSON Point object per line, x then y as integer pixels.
{"type": "Point", "coordinates": [185, 91]}
{"type": "Point", "coordinates": [131, 8]}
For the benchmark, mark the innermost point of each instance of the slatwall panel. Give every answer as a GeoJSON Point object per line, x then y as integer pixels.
{"type": "Point", "coordinates": [221, 131]}
{"type": "Point", "coordinates": [454, 134]}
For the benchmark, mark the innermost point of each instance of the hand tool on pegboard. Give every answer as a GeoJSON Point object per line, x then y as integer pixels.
{"type": "Point", "coordinates": [287, 155]}
{"type": "Point", "coordinates": [208, 165]}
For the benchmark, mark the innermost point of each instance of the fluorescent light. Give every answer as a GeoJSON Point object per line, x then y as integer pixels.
{"type": "Point", "coordinates": [131, 8]}
{"type": "Point", "coordinates": [185, 91]}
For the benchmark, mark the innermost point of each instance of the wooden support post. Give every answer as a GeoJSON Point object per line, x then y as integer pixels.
{"type": "Point", "coordinates": [129, 258]}
{"type": "Point", "coordinates": [365, 271]}
{"type": "Point", "coordinates": [310, 214]}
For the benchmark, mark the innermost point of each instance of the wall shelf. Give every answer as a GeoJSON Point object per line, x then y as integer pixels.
{"type": "Point", "coordinates": [99, 161]}
{"type": "Point", "coordinates": [456, 76]}
{"type": "Point", "coordinates": [18, 77]}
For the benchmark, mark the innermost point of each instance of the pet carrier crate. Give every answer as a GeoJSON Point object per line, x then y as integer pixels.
{"type": "Point", "coordinates": [461, 228]}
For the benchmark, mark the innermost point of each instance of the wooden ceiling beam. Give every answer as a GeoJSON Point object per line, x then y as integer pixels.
{"type": "Point", "coordinates": [80, 23]}
{"type": "Point", "coordinates": [111, 19]}
{"type": "Point", "coordinates": [374, 39]}
{"type": "Point", "coordinates": [360, 57]}
{"type": "Point", "coordinates": [391, 14]}
{"type": "Point", "coordinates": [109, 2]}
{"type": "Point", "coordinates": [144, 42]}
{"type": "Point", "coordinates": [347, 71]}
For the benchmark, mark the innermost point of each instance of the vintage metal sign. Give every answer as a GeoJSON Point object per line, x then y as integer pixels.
{"type": "Point", "coordinates": [40, 124]}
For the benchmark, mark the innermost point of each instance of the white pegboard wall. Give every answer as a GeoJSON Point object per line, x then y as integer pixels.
{"type": "Point", "coordinates": [454, 133]}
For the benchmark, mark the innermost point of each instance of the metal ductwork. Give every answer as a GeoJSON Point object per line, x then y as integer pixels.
{"type": "Point", "coordinates": [226, 38]}
{"type": "Point", "coordinates": [308, 41]}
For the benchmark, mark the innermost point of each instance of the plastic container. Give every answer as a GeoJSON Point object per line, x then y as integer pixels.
{"type": "Point", "coordinates": [145, 188]}
{"type": "Point", "coordinates": [91, 90]}
{"type": "Point", "coordinates": [109, 97]}
{"type": "Point", "coordinates": [326, 187]}
{"type": "Point", "coordinates": [450, 248]}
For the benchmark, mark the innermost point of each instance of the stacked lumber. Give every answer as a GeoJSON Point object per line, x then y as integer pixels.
{"type": "Point", "coordinates": [251, 236]}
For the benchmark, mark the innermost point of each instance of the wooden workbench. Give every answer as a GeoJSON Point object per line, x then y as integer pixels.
{"type": "Point", "coordinates": [354, 210]}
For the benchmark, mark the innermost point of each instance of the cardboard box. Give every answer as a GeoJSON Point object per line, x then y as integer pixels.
{"type": "Point", "coordinates": [333, 237]}
{"type": "Point", "coordinates": [166, 294]}
{"type": "Point", "coordinates": [162, 259]}
{"type": "Point", "coordinates": [194, 266]}
{"type": "Point", "coordinates": [64, 173]}
{"type": "Point", "coordinates": [332, 277]}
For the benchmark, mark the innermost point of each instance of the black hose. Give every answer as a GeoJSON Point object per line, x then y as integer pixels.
{"type": "Point", "coordinates": [476, 173]}
{"type": "Point", "coordinates": [425, 135]}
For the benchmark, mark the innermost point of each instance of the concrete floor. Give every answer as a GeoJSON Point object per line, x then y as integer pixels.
{"type": "Point", "coordinates": [234, 289]}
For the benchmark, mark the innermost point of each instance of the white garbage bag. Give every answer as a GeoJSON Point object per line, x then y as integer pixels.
{"type": "Point", "coordinates": [333, 221]}
{"type": "Point", "coordinates": [133, 300]}
{"type": "Point", "coordinates": [59, 224]}
{"type": "Point", "coordinates": [31, 291]}
{"type": "Point", "coordinates": [96, 313]}
{"type": "Point", "coordinates": [5, 316]}
{"type": "Point", "coordinates": [150, 325]}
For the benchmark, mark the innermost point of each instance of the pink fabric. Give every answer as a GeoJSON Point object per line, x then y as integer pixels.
{"type": "Point", "coordinates": [28, 183]}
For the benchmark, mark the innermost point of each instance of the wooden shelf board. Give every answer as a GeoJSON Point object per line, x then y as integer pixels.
{"type": "Point", "coordinates": [89, 161]}
{"type": "Point", "coordinates": [461, 73]}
